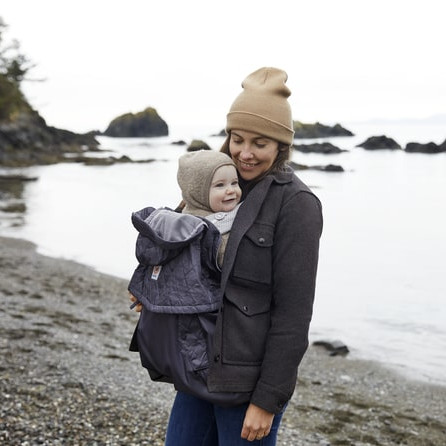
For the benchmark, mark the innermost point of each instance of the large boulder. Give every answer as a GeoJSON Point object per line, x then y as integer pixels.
{"type": "Point", "coordinates": [318, 130]}
{"type": "Point", "coordinates": [146, 123]}
{"type": "Point", "coordinates": [379, 142]}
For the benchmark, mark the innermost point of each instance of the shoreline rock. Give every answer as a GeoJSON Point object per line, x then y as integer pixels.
{"type": "Point", "coordinates": [27, 141]}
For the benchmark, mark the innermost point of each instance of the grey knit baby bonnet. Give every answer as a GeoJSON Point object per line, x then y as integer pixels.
{"type": "Point", "coordinates": [194, 176]}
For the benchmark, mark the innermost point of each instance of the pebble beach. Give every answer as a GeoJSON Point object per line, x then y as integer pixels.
{"type": "Point", "coordinates": [67, 377]}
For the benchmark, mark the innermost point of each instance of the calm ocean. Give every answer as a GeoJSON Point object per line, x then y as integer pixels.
{"type": "Point", "coordinates": [381, 283]}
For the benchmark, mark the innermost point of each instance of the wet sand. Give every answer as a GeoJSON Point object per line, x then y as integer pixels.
{"type": "Point", "coordinates": [67, 377]}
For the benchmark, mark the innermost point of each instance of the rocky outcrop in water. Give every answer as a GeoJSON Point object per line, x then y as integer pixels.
{"type": "Point", "coordinates": [379, 143]}
{"type": "Point", "coordinates": [106, 161]}
{"type": "Point", "coordinates": [430, 147]}
{"type": "Point", "coordinates": [180, 142]}
{"type": "Point", "coordinates": [384, 142]}
{"type": "Point", "coordinates": [12, 202]}
{"type": "Point", "coordinates": [335, 347]}
{"type": "Point", "coordinates": [146, 123]}
{"type": "Point", "coordinates": [325, 148]}
{"type": "Point", "coordinates": [318, 130]}
{"type": "Point", "coordinates": [197, 144]}
{"type": "Point", "coordinates": [321, 168]}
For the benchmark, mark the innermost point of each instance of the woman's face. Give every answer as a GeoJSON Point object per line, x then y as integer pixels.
{"type": "Point", "coordinates": [252, 153]}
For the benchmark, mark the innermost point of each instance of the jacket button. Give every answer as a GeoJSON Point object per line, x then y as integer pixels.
{"type": "Point", "coordinates": [261, 240]}
{"type": "Point", "coordinates": [217, 358]}
{"type": "Point", "coordinates": [245, 308]}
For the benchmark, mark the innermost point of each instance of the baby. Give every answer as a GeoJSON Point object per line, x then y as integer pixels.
{"type": "Point", "coordinates": [209, 187]}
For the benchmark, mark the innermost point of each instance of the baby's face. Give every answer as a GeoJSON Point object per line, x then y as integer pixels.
{"type": "Point", "coordinates": [225, 193]}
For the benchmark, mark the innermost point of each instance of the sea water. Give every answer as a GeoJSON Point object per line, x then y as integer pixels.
{"type": "Point", "coordinates": [381, 287]}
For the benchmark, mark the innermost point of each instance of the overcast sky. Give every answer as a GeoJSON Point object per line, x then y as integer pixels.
{"type": "Point", "coordinates": [347, 60]}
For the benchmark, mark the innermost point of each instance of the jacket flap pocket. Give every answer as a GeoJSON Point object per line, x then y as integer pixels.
{"type": "Point", "coordinates": [249, 301]}
{"type": "Point", "coordinates": [261, 234]}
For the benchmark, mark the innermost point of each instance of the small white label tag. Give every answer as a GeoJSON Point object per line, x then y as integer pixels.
{"type": "Point", "coordinates": [156, 272]}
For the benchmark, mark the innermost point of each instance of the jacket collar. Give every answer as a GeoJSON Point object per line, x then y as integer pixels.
{"type": "Point", "coordinates": [283, 176]}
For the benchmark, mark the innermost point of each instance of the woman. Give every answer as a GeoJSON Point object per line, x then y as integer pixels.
{"type": "Point", "coordinates": [268, 278]}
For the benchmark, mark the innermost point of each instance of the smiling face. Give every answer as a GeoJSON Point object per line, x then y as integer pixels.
{"type": "Point", "coordinates": [224, 193]}
{"type": "Point", "coordinates": [253, 154]}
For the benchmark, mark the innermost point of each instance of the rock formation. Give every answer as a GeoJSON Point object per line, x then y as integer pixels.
{"type": "Point", "coordinates": [379, 142]}
{"type": "Point", "coordinates": [26, 140]}
{"type": "Point", "coordinates": [146, 123]}
{"type": "Point", "coordinates": [325, 148]}
{"type": "Point", "coordinates": [430, 147]}
{"type": "Point", "coordinates": [318, 130]}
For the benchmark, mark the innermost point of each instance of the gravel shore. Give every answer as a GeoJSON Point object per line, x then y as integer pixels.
{"type": "Point", "coordinates": [67, 377]}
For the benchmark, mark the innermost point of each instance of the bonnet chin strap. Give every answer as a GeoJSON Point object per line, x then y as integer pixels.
{"type": "Point", "coordinates": [223, 220]}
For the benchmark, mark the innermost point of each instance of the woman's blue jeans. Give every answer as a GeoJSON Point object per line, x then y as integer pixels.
{"type": "Point", "coordinates": [195, 422]}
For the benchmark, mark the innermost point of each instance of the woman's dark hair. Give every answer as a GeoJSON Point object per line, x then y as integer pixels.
{"type": "Point", "coordinates": [279, 163]}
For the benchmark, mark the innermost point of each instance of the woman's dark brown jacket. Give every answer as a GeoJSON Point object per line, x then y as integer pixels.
{"type": "Point", "coordinates": [268, 278]}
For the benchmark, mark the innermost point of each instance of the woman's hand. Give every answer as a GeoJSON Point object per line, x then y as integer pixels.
{"type": "Point", "coordinates": [138, 307]}
{"type": "Point", "coordinates": [257, 423]}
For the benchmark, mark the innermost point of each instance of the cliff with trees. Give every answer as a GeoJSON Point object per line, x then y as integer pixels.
{"type": "Point", "coordinates": [25, 138]}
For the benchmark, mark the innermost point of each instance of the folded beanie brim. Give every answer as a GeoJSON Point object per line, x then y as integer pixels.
{"type": "Point", "coordinates": [241, 120]}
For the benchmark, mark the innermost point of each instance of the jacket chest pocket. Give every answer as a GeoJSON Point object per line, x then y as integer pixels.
{"type": "Point", "coordinates": [254, 255]}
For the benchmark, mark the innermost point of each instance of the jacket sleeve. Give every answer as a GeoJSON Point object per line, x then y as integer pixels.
{"type": "Point", "coordinates": [295, 259]}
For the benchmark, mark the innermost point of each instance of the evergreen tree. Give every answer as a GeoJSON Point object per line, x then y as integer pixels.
{"type": "Point", "coordinates": [14, 67]}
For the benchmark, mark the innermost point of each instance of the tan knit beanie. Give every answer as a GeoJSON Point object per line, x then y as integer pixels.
{"type": "Point", "coordinates": [262, 107]}
{"type": "Point", "coordinates": [194, 176]}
